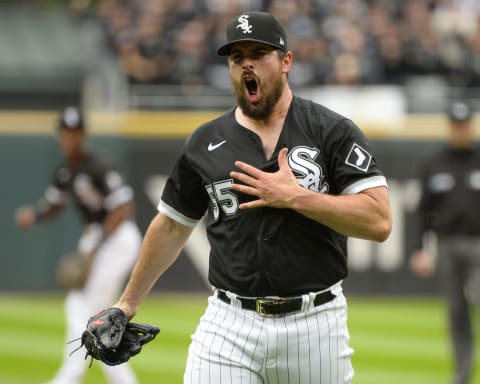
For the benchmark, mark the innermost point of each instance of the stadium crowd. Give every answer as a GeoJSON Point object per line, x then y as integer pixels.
{"type": "Point", "coordinates": [342, 42]}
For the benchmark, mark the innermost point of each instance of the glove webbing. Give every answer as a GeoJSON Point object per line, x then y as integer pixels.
{"type": "Point", "coordinates": [81, 345]}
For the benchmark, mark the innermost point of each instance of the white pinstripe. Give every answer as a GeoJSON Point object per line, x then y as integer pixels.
{"type": "Point", "coordinates": [237, 346]}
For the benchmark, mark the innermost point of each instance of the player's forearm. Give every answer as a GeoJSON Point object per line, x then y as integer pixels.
{"type": "Point", "coordinates": [27, 216]}
{"type": "Point", "coordinates": [161, 246]}
{"type": "Point", "coordinates": [364, 215]}
{"type": "Point", "coordinates": [45, 210]}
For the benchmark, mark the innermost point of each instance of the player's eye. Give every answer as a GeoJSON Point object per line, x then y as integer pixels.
{"type": "Point", "coordinates": [236, 57]}
{"type": "Point", "coordinates": [258, 53]}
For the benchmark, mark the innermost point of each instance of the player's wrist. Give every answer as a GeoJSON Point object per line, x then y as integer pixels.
{"type": "Point", "coordinates": [130, 309]}
{"type": "Point", "coordinates": [297, 201]}
{"type": "Point", "coordinates": [36, 215]}
{"type": "Point", "coordinates": [40, 210]}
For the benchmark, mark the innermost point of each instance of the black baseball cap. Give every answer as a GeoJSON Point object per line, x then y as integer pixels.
{"type": "Point", "coordinates": [71, 118]}
{"type": "Point", "coordinates": [254, 26]}
{"type": "Point", "coordinates": [459, 111]}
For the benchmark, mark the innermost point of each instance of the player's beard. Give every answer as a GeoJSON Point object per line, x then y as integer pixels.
{"type": "Point", "coordinates": [269, 98]}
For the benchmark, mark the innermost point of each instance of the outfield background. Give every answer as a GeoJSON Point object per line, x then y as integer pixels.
{"type": "Point", "coordinates": [396, 341]}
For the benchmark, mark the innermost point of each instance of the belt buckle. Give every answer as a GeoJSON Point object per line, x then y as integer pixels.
{"type": "Point", "coordinates": [260, 306]}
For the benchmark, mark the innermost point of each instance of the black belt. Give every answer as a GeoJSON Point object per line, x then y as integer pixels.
{"type": "Point", "coordinates": [273, 307]}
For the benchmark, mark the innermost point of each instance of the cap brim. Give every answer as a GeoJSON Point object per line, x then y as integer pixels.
{"type": "Point", "coordinates": [224, 50]}
{"type": "Point", "coordinates": [459, 119]}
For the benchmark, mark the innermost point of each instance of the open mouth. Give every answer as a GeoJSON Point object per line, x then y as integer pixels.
{"type": "Point", "coordinates": [252, 89]}
{"type": "Point", "coordinates": [251, 85]}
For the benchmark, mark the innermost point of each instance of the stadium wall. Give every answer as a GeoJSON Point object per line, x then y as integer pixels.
{"type": "Point", "coordinates": [145, 145]}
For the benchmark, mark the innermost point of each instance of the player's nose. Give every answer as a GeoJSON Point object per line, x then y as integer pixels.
{"type": "Point", "coordinates": [247, 64]}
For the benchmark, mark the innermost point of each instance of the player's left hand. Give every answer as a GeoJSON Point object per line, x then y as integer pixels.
{"type": "Point", "coordinates": [73, 270]}
{"type": "Point", "coordinates": [112, 339]}
{"type": "Point", "coordinates": [276, 189]}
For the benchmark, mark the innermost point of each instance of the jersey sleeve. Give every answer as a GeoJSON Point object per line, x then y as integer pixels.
{"type": "Point", "coordinates": [118, 192]}
{"type": "Point", "coordinates": [184, 198]}
{"type": "Point", "coordinates": [111, 184]}
{"type": "Point", "coordinates": [422, 212]}
{"type": "Point", "coordinates": [57, 192]}
{"type": "Point", "coordinates": [426, 203]}
{"type": "Point", "coordinates": [352, 167]}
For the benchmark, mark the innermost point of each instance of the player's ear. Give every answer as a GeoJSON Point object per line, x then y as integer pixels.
{"type": "Point", "coordinates": [287, 60]}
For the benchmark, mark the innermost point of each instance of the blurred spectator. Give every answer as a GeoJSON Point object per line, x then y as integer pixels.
{"type": "Point", "coordinates": [421, 44]}
{"type": "Point", "coordinates": [455, 24]}
{"type": "Point", "coordinates": [334, 42]}
{"type": "Point", "coordinates": [386, 35]}
{"type": "Point", "coordinates": [190, 50]}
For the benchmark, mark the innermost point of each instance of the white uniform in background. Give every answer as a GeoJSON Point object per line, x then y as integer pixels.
{"type": "Point", "coordinates": [96, 188]}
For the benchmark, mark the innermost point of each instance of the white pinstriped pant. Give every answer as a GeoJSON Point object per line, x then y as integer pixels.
{"type": "Point", "coordinates": [233, 345]}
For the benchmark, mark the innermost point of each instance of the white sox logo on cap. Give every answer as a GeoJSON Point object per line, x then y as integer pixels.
{"type": "Point", "coordinates": [243, 24]}
{"type": "Point", "coordinates": [259, 27]}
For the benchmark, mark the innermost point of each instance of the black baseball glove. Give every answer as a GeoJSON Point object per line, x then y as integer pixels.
{"type": "Point", "coordinates": [111, 338]}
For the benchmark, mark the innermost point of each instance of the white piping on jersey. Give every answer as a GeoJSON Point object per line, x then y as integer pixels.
{"type": "Point", "coordinates": [175, 215]}
{"type": "Point", "coordinates": [118, 197]}
{"type": "Point", "coordinates": [361, 185]}
{"type": "Point", "coordinates": [55, 196]}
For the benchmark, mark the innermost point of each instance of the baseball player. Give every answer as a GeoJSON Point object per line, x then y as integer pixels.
{"type": "Point", "coordinates": [284, 181]}
{"type": "Point", "coordinates": [449, 206]}
{"type": "Point", "coordinates": [111, 238]}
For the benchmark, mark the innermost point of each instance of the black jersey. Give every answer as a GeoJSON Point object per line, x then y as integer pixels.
{"type": "Point", "coordinates": [95, 187]}
{"type": "Point", "coordinates": [270, 251]}
{"type": "Point", "coordinates": [451, 193]}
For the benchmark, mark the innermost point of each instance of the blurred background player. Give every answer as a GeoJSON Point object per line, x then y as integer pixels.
{"type": "Point", "coordinates": [449, 207]}
{"type": "Point", "coordinates": [111, 238]}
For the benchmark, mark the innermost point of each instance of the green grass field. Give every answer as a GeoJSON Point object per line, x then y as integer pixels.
{"type": "Point", "coordinates": [396, 341]}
